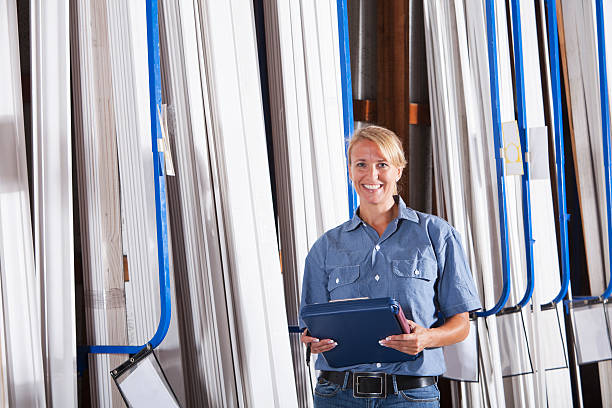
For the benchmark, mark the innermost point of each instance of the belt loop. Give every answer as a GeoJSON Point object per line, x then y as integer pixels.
{"type": "Point", "coordinates": [394, 384]}
{"type": "Point", "coordinates": [346, 377]}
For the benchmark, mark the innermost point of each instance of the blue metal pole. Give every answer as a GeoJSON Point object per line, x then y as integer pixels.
{"type": "Point", "coordinates": [522, 125]}
{"type": "Point", "coordinates": [160, 195]}
{"type": "Point", "coordinates": [555, 79]}
{"type": "Point", "coordinates": [499, 160]}
{"type": "Point", "coordinates": [605, 126]}
{"type": "Point", "coordinates": [347, 93]}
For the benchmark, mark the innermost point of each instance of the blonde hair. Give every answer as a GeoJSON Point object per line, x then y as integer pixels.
{"type": "Point", "coordinates": [386, 140]}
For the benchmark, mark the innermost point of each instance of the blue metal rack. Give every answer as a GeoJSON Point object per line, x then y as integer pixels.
{"type": "Point", "coordinates": [605, 127]}
{"type": "Point", "coordinates": [555, 79]}
{"type": "Point", "coordinates": [347, 93]}
{"type": "Point", "coordinates": [499, 160]}
{"type": "Point", "coordinates": [160, 196]}
{"type": "Point", "coordinates": [522, 125]}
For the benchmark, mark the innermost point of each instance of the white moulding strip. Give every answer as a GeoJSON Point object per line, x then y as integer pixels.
{"type": "Point", "coordinates": [53, 216]}
{"type": "Point", "coordinates": [238, 137]}
{"type": "Point", "coordinates": [22, 378]}
{"type": "Point", "coordinates": [202, 313]}
{"type": "Point", "coordinates": [127, 48]}
{"type": "Point", "coordinates": [98, 189]}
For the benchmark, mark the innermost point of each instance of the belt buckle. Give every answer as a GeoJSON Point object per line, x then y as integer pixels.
{"type": "Point", "coordinates": [360, 379]}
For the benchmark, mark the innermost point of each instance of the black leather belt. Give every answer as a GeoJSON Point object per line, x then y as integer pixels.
{"type": "Point", "coordinates": [377, 385]}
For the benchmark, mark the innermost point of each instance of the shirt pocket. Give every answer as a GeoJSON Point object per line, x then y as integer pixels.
{"type": "Point", "coordinates": [342, 282]}
{"type": "Point", "coordinates": [414, 279]}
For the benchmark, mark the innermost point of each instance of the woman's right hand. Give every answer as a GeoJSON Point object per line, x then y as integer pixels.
{"type": "Point", "coordinates": [317, 346]}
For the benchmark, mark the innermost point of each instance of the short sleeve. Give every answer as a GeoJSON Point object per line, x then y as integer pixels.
{"type": "Point", "coordinates": [456, 289]}
{"type": "Point", "coordinates": [314, 282]}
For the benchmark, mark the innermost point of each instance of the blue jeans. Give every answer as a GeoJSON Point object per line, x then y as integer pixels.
{"type": "Point", "coordinates": [330, 395]}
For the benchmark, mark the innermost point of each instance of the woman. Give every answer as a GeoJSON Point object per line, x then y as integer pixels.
{"type": "Point", "coordinates": [390, 250]}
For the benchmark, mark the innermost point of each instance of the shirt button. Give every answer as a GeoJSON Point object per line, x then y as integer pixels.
{"type": "Point", "coordinates": [378, 365]}
{"type": "Point", "coordinates": [377, 278]}
{"type": "Point", "coordinates": [416, 272]}
{"type": "Point", "coordinates": [338, 280]}
{"type": "Point", "coordinates": [377, 247]}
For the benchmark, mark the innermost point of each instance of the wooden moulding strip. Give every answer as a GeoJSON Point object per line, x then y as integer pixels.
{"type": "Point", "coordinates": [418, 114]}
{"type": "Point", "coordinates": [392, 90]}
{"type": "Point", "coordinates": [364, 110]}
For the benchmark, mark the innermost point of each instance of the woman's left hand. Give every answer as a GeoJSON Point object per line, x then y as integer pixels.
{"type": "Point", "coordinates": [413, 343]}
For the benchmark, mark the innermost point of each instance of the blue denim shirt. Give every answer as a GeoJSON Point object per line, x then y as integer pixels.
{"type": "Point", "coordinates": [418, 260]}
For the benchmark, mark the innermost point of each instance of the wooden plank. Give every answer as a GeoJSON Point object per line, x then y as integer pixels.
{"type": "Point", "coordinates": [364, 110]}
{"type": "Point", "coordinates": [392, 88]}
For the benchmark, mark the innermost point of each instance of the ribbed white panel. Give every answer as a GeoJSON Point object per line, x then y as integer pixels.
{"type": "Point", "coordinates": [201, 313]}
{"type": "Point", "coordinates": [98, 189]}
{"type": "Point", "coordinates": [238, 138]}
{"type": "Point", "coordinates": [294, 92]}
{"type": "Point", "coordinates": [53, 217]}
{"type": "Point", "coordinates": [464, 163]}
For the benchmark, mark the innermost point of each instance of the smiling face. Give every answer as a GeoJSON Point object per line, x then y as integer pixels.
{"type": "Point", "coordinates": [373, 175]}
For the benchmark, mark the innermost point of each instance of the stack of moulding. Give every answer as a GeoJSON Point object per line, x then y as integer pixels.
{"type": "Point", "coordinates": [300, 149]}
{"type": "Point", "coordinates": [199, 262]}
{"type": "Point", "coordinates": [21, 362]}
{"type": "Point", "coordinates": [262, 353]}
{"type": "Point", "coordinates": [584, 111]}
{"type": "Point", "coordinates": [98, 193]}
{"type": "Point", "coordinates": [482, 155]}
{"type": "Point", "coordinates": [130, 80]}
{"type": "Point", "coordinates": [582, 71]}
{"type": "Point", "coordinates": [464, 163]}
{"type": "Point", "coordinates": [52, 178]}
{"type": "Point", "coordinates": [553, 387]}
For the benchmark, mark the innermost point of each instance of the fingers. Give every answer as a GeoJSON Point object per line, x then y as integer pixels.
{"type": "Point", "coordinates": [316, 345]}
{"type": "Point", "coordinates": [406, 343]}
{"type": "Point", "coordinates": [322, 346]}
{"type": "Point", "coordinates": [403, 346]}
{"type": "Point", "coordinates": [412, 325]}
{"type": "Point", "coordinates": [400, 337]}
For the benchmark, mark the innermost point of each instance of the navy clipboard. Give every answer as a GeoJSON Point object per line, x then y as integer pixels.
{"type": "Point", "coordinates": [357, 326]}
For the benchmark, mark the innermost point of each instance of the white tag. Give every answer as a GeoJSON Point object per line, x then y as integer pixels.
{"type": "Point", "coordinates": [462, 358]}
{"type": "Point", "coordinates": [513, 156]}
{"type": "Point", "coordinates": [164, 143]}
{"type": "Point", "coordinates": [538, 153]}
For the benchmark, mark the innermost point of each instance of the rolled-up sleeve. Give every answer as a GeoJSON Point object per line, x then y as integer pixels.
{"type": "Point", "coordinates": [314, 282]}
{"type": "Point", "coordinates": [456, 289]}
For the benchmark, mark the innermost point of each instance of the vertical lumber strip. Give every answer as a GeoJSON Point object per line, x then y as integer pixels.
{"type": "Point", "coordinates": [53, 216]}
{"type": "Point", "coordinates": [21, 363]}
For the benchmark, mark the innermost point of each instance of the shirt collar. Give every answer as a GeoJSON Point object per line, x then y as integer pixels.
{"type": "Point", "coordinates": [404, 212]}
